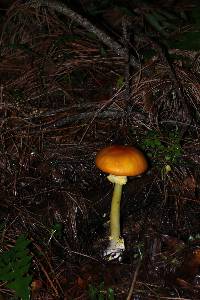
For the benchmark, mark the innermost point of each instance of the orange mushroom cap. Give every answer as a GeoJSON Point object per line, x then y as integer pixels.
{"type": "Point", "coordinates": [121, 161]}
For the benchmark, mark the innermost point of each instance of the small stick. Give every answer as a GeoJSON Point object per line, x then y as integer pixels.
{"type": "Point", "coordinates": [134, 280]}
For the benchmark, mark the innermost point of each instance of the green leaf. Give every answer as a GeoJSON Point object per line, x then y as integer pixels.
{"type": "Point", "coordinates": [7, 275]}
{"type": "Point", "coordinates": [157, 143]}
{"type": "Point", "coordinates": [149, 154]}
{"type": "Point", "coordinates": [110, 294]}
{"type": "Point", "coordinates": [101, 296]}
{"type": "Point", "coordinates": [187, 41]}
{"type": "Point", "coordinates": [14, 266]}
{"type": "Point", "coordinates": [92, 292]}
{"type": "Point", "coordinates": [153, 20]}
{"type": "Point", "coordinates": [57, 228]}
{"type": "Point", "coordinates": [21, 243]}
{"type": "Point", "coordinates": [91, 35]}
{"type": "Point", "coordinates": [21, 287]}
{"type": "Point", "coordinates": [103, 52]}
{"type": "Point", "coordinates": [167, 157]}
{"type": "Point", "coordinates": [120, 82]}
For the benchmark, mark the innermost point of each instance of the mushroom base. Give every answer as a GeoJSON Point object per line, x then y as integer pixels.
{"type": "Point", "coordinates": [114, 249]}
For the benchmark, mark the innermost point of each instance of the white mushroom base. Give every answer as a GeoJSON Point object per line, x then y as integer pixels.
{"type": "Point", "coordinates": [114, 249]}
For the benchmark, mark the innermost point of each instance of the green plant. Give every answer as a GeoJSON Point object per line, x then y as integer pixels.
{"type": "Point", "coordinates": [163, 149]}
{"type": "Point", "coordinates": [56, 231]}
{"type": "Point", "coordinates": [120, 82]}
{"type": "Point", "coordinates": [14, 267]}
{"type": "Point", "coordinates": [99, 293]}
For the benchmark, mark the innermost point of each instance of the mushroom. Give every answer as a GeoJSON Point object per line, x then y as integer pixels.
{"type": "Point", "coordinates": [119, 161]}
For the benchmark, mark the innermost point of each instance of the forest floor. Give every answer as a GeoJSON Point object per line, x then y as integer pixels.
{"type": "Point", "coordinates": [66, 92]}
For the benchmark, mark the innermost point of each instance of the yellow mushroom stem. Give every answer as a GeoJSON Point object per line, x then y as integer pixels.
{"type": "Point", "coordinates": [115, 207]}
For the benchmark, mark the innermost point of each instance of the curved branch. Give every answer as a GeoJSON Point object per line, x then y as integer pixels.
{"type": "Point", "coordinates": [65, 10]}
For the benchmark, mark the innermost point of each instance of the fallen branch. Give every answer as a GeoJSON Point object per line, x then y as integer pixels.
{"type": "Point", "coordinates": [104, 37]}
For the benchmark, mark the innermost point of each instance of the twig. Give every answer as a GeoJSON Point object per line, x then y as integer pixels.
{"type": "Point", "coordinates": [126, 40]}
{"type": "Point", "coordinates": [134, 280]}
{"type": "Point", "coordinates": [48, 278]}
{"type": "Point", "coordinates": [45, 272]}
{"type": "Point", "coordinates": [104, 37]}
{"type": "Point", "coordinates": [83, 116]}
{"type": "Point", "coordinates": [108, 103]}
